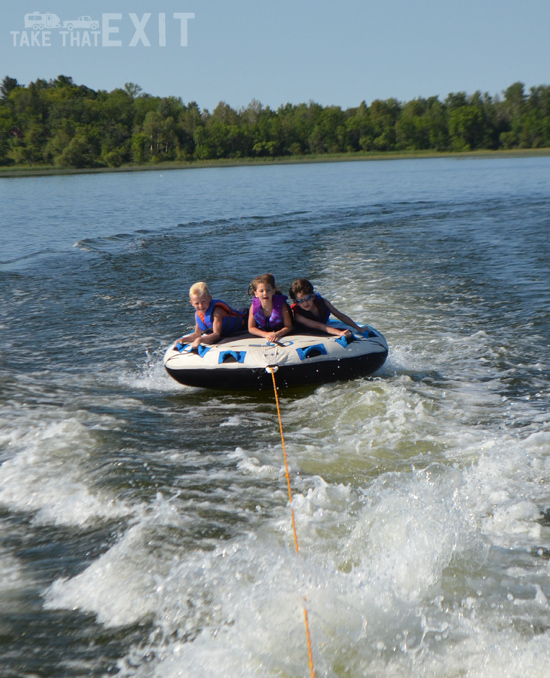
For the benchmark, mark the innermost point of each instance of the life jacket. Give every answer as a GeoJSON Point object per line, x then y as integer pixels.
{"type": "Point", "coordinates": [324, 313]}
{"type": "Point", "coordinates": [230, 324]}
{"type": "Point", "coordinates": [275, 321]}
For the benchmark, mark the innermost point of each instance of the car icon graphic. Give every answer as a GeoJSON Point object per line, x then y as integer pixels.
{"type": "Point", "coordinates": [81, 22]}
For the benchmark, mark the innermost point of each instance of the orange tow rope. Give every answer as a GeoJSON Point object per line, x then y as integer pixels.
{"type": "Point", "coordinates": [309, 652]}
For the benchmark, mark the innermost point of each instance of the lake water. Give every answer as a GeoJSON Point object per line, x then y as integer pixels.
{"type": "Point", "coordinates": [144, 526]}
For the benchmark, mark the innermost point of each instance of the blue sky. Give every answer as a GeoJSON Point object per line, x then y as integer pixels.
{"type": "Point", "coordinates": [278, 51]}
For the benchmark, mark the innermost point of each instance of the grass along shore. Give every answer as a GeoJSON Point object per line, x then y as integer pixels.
{"type": "Point", "coordinates": [13, 171]}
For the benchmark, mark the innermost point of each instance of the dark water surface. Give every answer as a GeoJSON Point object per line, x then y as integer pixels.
{"type": "Point", "coordinates": [144, 526]}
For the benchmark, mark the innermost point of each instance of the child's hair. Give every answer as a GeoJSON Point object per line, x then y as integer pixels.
{"type": "Point", "coordinates": [300, 286]}
{"type": "Point", "coordinates": [266, 279]}
{"type": "Point", "coordinates": [199, 289]}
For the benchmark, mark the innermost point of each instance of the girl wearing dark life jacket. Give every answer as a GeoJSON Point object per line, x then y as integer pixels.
{"type": "Point", "coordinates": [269, 314]}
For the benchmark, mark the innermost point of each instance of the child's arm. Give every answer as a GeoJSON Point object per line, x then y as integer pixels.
{"type": "Point", "coordinates": [256, 331]}
{"type": "Point", "coordinates": [316, 325]}
{"type": "Point", "coordinates": [343, 317]}
{"type": "Point", "coordinates": [189, 337]}
{"type": "Point", "coordinates": [269, 335]}
{"type": "Point", "coordinates": [217, 327]}
{"type": "Point", "coordinates": [287, 318]}
{"type": "Point", "coordinates": [197, 337]}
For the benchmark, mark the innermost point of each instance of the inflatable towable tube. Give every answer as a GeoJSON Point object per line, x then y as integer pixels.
{"type": "Point", "coordinates": [239, 362]}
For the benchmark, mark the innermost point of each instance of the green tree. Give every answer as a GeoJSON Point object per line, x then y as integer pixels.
{"type": "Point", "coordinates": [7, 86]}
{"type": "Point", "coordinates": [436, 118]}
{"type": "Point", "coordinates": [132, 89]}
{"type": "Point", "coordinates": [58, 121]}
{"type": "Point", "coordinates": [140, 148]}
{"type": "Point", "coordinates": [9, 128]}
{"type": "Point", "coordinates": [412, 129]}
{"type": "Point", "coordinates": [512, 109]}
{"type": "Point", "coordinates": [384, 116]}
{"type": "Point", "coordinates": [466, 129]}
{"type": "Point", "coordinates": [360, 128]}
{"type": "Point", "coordinates": [329, 134]}
{"type": "Point", "coordinates": [80, 153]}
{"type": "Point", "coordinates": [153, 128]}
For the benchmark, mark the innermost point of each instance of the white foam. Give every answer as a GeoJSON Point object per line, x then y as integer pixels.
{"type": "Point", "coordinates": [149, 375]}
{"type": "Point", "coordinates": [257, 464]}
{"type": "Point", "coordinates": [48, 477]}
{"type": "Point", "coordinates": [372, 567]}
{"type": "Point", "coordinates": [122, 586]}
{"type": "Point", "coordinates": [119, 588]}
{"type": "Point", "coordinates": [487, 653]}
{"type": "Point", "coordinates": [229, 612]}
{"type": "Point", "coordinates": [407, 534]}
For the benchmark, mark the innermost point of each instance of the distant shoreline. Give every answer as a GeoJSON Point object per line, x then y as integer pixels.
{"type": "Point", "coordinates": [10, 173]}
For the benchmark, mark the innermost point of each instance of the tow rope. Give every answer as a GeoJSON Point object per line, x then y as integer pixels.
{"type": "Point", "coordinates": [272, 371]}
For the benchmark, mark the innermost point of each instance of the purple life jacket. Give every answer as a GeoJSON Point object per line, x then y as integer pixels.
{"type": "Point", "coordinates": [275, 321]}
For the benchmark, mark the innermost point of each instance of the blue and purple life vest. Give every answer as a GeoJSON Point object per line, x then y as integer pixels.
{"type": "Point", "coordinates": [230, 324]}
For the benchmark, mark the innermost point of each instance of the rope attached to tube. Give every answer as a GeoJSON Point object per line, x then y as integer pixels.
{"type": "Point", "coordinates": [272, 371]}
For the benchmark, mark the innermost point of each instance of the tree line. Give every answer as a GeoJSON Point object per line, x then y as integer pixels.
{"type": "Point", "coordinates": [59, 123]}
